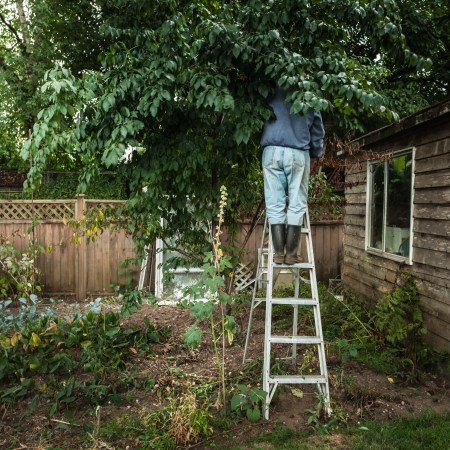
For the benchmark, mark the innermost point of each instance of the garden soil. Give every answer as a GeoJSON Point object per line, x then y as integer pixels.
{"type": "Point", "coordinates": [357, 392]}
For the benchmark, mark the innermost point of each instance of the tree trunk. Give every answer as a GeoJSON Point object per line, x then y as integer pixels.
{"type": "Point", "coordinates": [24, 27]}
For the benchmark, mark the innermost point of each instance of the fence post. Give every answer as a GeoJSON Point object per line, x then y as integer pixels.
{"type": "Point", "coordinates": [80, 264]}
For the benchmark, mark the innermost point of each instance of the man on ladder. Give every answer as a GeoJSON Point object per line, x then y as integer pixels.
{"type": "Point", "coordinates": [288, 141]}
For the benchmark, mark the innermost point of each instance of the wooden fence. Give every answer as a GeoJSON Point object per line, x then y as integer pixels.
{"type": "Point", "coordinates": [70, 269]}
{"type": "Point", "coordinates": [90, 269]}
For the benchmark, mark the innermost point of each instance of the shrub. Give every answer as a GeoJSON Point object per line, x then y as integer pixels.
{"type": "Point", "coordinates": [399, 319]}
{"type": "Point", "coordinates": [19, 275]}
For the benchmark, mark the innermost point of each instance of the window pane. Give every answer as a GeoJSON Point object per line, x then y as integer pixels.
{"type": "Point", "coordinates": [398, 211]}
{"type": "Point", "coordinates": [376, 235]}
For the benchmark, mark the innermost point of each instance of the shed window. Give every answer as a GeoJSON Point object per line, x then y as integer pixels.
{"type": "Point", "coordinates": [389, 206]}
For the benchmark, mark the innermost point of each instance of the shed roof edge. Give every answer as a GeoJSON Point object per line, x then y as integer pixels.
{"type": "Point", "coordinates": [425, 115]}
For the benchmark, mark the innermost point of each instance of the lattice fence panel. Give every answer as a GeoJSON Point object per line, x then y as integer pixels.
{"type": "Point", "coordinates": [243, 277]}
{"type": "Point", "coordinates": [24, 210]}
{"type": "Point", "coordinates": [93, 207]}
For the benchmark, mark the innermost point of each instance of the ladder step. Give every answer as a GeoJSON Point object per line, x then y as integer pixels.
{"type": "Point", "coordinates": [303, 265]}
{"type": "Point", "coordinates": [265, 251]}
{"type": "Point", "coordinates": [298, 379]}
{"type": "Point", "coordinates": [295, 301]}
{"type": "Point", "coordinates": [295, 340]}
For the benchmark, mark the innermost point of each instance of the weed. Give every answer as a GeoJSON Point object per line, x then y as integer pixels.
{"type": "Point", "coordinates": [18, 272]}
{"type": "Point", "coordinates": [183, 421]}
{"type": "Point", "coordinates": [212, 287]}
{"type": "Point", "coordinates": [131, 301]}
{"type": "Point", "coordinates": [344, 319]}
{"type": "Point", "coordinates": [342, 381]}
{"type": "Point", "coordinates": [187, 421]}
{"type": "Point", "coordinates": [388, 339]}
{"type": "Point", "coordinates": [316, 419]}
{"type": "Point", "coordinates": [249, 401]}
{"type": "Point", "coordinates": [347, 349]}
{"type": "Point", "coordinates": [279, 366]}
{"type": "Point", "coordinates": [399, 320]}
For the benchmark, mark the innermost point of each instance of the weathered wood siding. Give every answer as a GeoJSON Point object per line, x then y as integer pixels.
{"type": "Point", "coordinates": [372, 275]}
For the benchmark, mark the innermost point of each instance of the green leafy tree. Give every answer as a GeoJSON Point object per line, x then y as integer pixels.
{"type": "Point", "coordinates": [427, 32]}
{"type": "Point", "coordinates": [34, 35]}
{"type": "Point", "coordinates": [181, 99]}
{"type": "Point", "coordinates": [426, 28]}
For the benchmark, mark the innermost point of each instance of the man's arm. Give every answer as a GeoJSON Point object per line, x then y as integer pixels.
{"type": "Point", "coordinates": [317, 133]}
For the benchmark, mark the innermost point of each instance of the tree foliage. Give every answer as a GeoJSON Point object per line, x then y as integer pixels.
{"type": "Point", "coordinates": [34, 36]}
{"type": "Point", "coordinates": [181, 98]}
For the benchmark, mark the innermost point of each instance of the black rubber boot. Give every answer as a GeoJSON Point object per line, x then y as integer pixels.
{"type": "Point", "coordinates": [278, 239]}
{"type": "Point", "coordinates": [292, 240]}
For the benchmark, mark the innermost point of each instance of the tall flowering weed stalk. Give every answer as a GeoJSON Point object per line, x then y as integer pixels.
{"type": "Point", "coordinates": [208, 299]}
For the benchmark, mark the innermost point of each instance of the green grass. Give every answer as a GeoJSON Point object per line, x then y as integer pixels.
{"type": "Point", "coordinates": [428, 431]}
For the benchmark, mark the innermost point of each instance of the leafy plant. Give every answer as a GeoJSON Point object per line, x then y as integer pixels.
{"type": "Point", "coordinates": [26, 311]}
{"type": "Point", "coordinates": [317, 418]}
{"type": "Point", "coordinates": [348, 349]}
{"type": "Point", "coordinates": [399, 319]}
{"type": "Point", "coordinates": [249, 401]}
{"type": "Point", "coordinates": [325, 204]}
{"type": "Point", "coordinates": [210, 289]}
{"type": "Point", "coordinates": [56, 347]}
{"type": "Point", "coordinates": [18, 271]}
{"type": "Point", "coordinates": [130, 301]}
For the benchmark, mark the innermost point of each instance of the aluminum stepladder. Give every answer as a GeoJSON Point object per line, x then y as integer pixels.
{"type": "Point", "coordinates": [265, 274]}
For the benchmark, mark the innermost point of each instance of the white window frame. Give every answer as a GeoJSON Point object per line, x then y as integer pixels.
{"type": "Point", "coordinates": [375, 251]}
{"type": "Point", "coordinates": [159, 275]}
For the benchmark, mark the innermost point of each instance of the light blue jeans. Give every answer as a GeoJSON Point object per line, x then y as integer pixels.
{"type": "Point", "coordinates": [284, 169]}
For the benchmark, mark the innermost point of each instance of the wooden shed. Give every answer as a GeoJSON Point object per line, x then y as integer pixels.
{"type": "Point", "coordinates": [398, 216]}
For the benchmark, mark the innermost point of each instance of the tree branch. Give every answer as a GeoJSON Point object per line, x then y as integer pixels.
{"type": "Point", "coordinates": [13, 31]}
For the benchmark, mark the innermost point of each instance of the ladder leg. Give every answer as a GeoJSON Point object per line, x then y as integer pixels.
{"type": "Point", "coordinates": [249, 324]}
{"type": "Point", "coordinates": [254, 304]}
{"type": "Point", "coordinates": [295, 318]}
{"type": "Point", "coordinates": [295, 333]}
{"type": "Point", "coordinates": [266, 364]}
{"type": "Point", "coordinates": [325, 389]}
{"type": "Point", "coordinates": [268, 330]}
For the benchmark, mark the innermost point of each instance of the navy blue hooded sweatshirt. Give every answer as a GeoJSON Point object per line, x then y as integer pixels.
{"type": "Point", "coordinates": [293, 130]}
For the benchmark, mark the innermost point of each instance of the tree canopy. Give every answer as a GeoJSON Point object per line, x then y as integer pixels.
{"type": "Point", "coordinates": [180, 99]}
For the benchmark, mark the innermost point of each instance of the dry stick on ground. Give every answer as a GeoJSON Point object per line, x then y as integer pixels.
{"type": "Point", "coordinates": [64, 422]}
